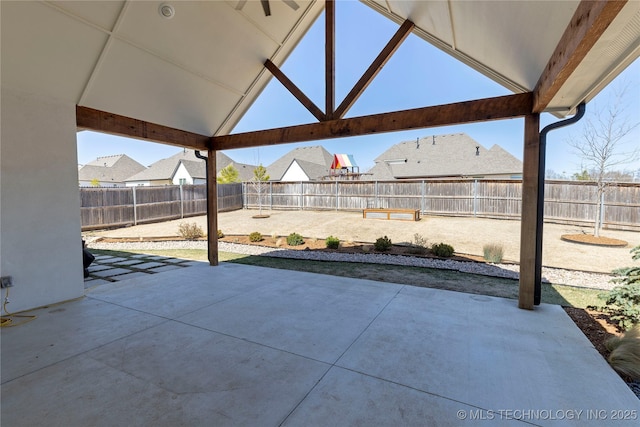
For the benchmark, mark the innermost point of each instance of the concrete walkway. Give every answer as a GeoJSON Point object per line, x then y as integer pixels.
{"type": "Point", "coordinates": [238, 345]}
{"type": "Point", "coordinates": [467, 235]}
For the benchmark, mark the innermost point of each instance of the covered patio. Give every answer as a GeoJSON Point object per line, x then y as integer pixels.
{"type": "Point", "coordinates": [187, 347]}
{"type": "Point", "coordinates": [237, 345]}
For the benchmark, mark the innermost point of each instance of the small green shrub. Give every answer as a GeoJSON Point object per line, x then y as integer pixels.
{"type": "Point", "coordinates": [190, 231]}
{"type": "Point", "coordinates": [294, 239]}
{"type": "Point", "coordinates": [419, 244]}
{"type": "Point", "coordinates": [622, 303]}
{"type": "Point", "coordinates": [382, 244]}
{"type": "Point", "coordinates": [442, 250]}
{"type": "Point", "coordinates": [220, 234]}
{"type": "Point", "coordinates": [255, 237]}
{"type": "Point", "coordinates": [493, 252]}
{"type": "Point", "coordinates": [332, 242]}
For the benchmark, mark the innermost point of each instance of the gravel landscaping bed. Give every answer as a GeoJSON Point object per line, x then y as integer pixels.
{"type": "Point", "coordinates": [550, 275]}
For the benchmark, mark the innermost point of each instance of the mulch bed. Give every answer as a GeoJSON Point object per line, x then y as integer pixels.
{"type": "Point", "coordinates": [590, 239]}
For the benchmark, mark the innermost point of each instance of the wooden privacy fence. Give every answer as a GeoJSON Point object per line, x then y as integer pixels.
{"type": "Point", "coordinates": [571, 202]}
{"type": "Point", "coordinates": [122, 206]}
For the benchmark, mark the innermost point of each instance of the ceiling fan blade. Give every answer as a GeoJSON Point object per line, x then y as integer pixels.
{"type": "Point", "coordinates": [292, 4]}
{"type": "Point", "coordinates": [266, 7]}
{"type": "Point", "coordinates": [241, 4]}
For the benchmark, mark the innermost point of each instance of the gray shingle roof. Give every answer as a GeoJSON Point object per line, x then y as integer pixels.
{"type": "Point", "coordinates": [314, 171]}
{"type": "Point", "coordinates": [165, 168]}
{"type": "Point", "coordinates": [115, 168]}
{"type": "Point", "coordinates": [315, 154]}
{"type": "Point", "coordinates": [453, 155]}
{"type": "Point", "coordinates": [245, 171]}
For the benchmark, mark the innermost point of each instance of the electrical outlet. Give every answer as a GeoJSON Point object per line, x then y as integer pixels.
{"type": "Point", "coordinates": [6, 282]}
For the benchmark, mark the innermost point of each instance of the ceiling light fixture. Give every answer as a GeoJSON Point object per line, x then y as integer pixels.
{"type": "Point", "coordinates": [166, 11]}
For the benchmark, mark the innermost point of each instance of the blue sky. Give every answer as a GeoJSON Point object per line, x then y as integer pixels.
{"type": "Point", "coordinates": [417, 75]}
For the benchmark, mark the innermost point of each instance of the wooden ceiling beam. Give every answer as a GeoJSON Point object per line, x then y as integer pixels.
{"type": "Point", "coordinates": [295, 91]}
{"type": "Point", "coordinates": [114, 124]}
{"type": "Point", "coordinates": [375, 67]}
{"type": "Point", "coordinates": [330, 57]}
{"type": "Point", "coordinates": [503, 107]}
{"type": "Point", "coordinates": [589, 22]}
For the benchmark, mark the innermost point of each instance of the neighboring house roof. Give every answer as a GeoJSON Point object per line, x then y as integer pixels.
{"type": "Point", "coordinates": [453, 155]}
{"type": "Point", "coordinates": [245, 171]}
{"type": "Point", "coordinates": [197, 169]}
{"type": "Point", "coordinates": [317, 155]}
{"type": "Point", "coordinates": [115, 168]}
{"type": "Point", "coordinates": [165, 168]}
{"type": "Point", "coordinates": [313, 171]}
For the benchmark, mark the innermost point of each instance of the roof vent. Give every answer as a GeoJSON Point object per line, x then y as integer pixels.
{"type": "Point", "coordinates": [433, 137]}
{"type": "Point", "coordinates": [477, 150]}
{"type": "Point", "coordinates": [417, 143]}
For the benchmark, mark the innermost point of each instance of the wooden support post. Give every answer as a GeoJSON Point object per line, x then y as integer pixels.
{"type": "Point", "coordinates": [329, 57]}
{"type": "Point", "coordinates": [212, 208]}
{"type": "Point", "coordinates": [529, 223]}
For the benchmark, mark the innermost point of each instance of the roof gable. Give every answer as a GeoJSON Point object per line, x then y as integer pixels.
{"type": "Point", "coordinates": [315, 154]}
{"type": "Point", "coordinates": [164, 169]}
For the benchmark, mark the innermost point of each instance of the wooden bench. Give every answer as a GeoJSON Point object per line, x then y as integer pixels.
{"type": "Point", "coordinates": [401, 214]}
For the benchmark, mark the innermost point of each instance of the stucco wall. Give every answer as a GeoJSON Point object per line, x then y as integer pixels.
{"type": "Point", "coordinates": [40, 241]}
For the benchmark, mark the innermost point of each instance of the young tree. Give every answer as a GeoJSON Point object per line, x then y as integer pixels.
{"type": "Point", "coordinates": [602, 144]}
{"type": "Point", "coordinates": [582, 176]}
{"type": "Point", "coordinates": [259, 178]}
{"type": "Point", "coordinates": [228, 175]}
{"type": "Point", "coordinates": [95, 182]}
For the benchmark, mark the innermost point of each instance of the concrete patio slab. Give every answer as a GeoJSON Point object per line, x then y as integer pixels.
{"type": "Point", "coordinates": [319, 321]}
{"type": "Point", "coordinates": [65, 330]}
{"type": "Point", "coordinates": [165, 268]}
{"type": "Point", "coordinates": [244, 345]}
{"type": "Point", "coordinates": [347, 398]}
{"type": "Point", "coordinates": [178, 292]}
{"type": "Point", "coordinates": [110, 272]}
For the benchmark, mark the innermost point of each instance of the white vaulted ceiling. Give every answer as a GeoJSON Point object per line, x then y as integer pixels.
{"type": "Point", "coordinates": [198, 71]}
{"type": "Point", "coordinates": [202, 69]}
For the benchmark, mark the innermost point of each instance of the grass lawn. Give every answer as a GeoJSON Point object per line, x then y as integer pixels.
{"type": "Point", "coordinates": [416, 276]}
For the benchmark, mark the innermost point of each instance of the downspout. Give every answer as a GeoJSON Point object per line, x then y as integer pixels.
{"type": "Point", "coordinates": [540, 202]}
{"type": "Point", "coordinates": [206, 177]}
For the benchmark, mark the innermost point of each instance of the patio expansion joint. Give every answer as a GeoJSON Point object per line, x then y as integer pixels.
{"type": "Point", "coordinates": [419, 390]}
{"type": "Point", "coordinates": [97, 346]}
{"type": "Point", "coordinates": [334, 364]}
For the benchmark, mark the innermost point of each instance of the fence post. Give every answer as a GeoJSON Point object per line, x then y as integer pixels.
{"type": "Point", "coordinates": [376, 204]}
{"type": "Point", "coordinates": [181, 202]}
{"type": "Point", "coordinates": [301, 204]}
{"type": "Point", "coordinates": [244, 195]}
{"type": "Point", "coordinates": [271, 195]}
{"type": "Point", "coordinates": [337, 197]}
{"type": "Point", "coordinates": [135, 213]}
{"type": "Point", "coordinates": [422, 194]}
{"type": "Point", "coordinates": [475, 197]}
{"type": "Point", "coordinates": [602, 210]}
